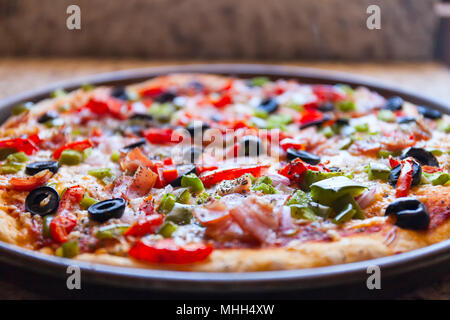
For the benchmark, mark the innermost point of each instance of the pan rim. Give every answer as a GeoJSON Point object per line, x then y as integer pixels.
{"type": "Point", "coordinates": [435, 253]}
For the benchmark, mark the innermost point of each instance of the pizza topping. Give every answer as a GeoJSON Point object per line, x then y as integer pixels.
{"type": "Point", "coordinates": [304, 155]}
{"type": "Point", "coordinates": [429, 113]}
{"type": "Point", "coordinates": [145, 225]}
{"type": "Point", "coordinates": [212, 177]}
{"type": "Point", "coordinates": [42, 201]}
{"type": "Point", "coordinates": [30, 183]}
{"type": "Point", "coordinates": [394, 104]}
{"type": "Point", "coordinates": [409, 213]}
{"type": "Point", "coordinates": [21, 108]}
{"type": "Point", "coordinates": [168, 251]}
{"type": "Point", "coordinates": [65, 220]}
{"type": "Point", "coordinates": [75, 146]}
{"type": "Point", "coordinates": [405, 175]}
{"type": "Point", "coordinates": [425, 158]}
{"type": "Point", "coordinates": [26, 145]}
{"type": "Point", "coordinates": [241, 196]}
{"type": "Point", "coordinates": [181, 172]}
{"type": "Point", "coordinates": [38, 166]}
{"type": "Point", "coordinates": [328, 190]}
{"type": "Point", "coordinates": [107, 209]}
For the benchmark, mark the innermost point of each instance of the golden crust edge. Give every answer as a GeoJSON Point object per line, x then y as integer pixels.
{"type": "Point", "coordinates": [305, 255]}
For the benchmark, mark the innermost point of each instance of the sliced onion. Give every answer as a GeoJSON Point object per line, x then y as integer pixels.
{"type": "Point", "coordinates": [287, 225]}
{"type": "Point", "coordinates": [366, 198]}
{"type": "Point", "coordinates": [278, 179]}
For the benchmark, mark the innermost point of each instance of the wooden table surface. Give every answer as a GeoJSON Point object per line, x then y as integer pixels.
{"type": "Point", "coordinates": [18, 75]}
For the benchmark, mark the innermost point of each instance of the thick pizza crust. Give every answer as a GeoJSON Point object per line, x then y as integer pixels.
{"type": "Point", "coordinates": [390, 241]}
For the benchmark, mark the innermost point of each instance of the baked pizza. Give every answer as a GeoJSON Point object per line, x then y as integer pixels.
{"type": "Point", "coordinates": [215, 173]}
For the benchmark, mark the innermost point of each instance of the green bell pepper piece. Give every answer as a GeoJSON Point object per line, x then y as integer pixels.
{"type": "Point", "coordinates": [167, 203]}
{"type": "Point", "coordinates": [21, 108]}
{"type": "Point", "coordinates": [300, 211]}
{"type": "Point", "coordinates": [17, 157]}
{"type": "Point", "coordinates": [346, 106]}
{"type": "Point", "coordinates": [46, 233]}
{"type": "Point", "coordinates": [341, 204]}
{"type": "Point", "coordinates": [386, 115]}
{"type": "Point", "coordinates": [259, 81]}
{"type": "Point", "coordinates": [311, 176]}
{"type": "Point", "coordinates": [111, 231]}
{"type": "Point", "coordinates": [167, 229]}
{"type": "Point", "coordinates": [378, 171]}
{"type": "Point", "coordinates": [58, 93]}
{"type": "Point", "coordinates": [437, 178]}
{"type": "Point", "coordinates": [8, 168]}
{"type": "Point", "coordinates": [68, 249]}
{"type": "Point", "coordinates": [192, 182]}
{"type": "Point", "coordinates": [184, 197]}
{"type": "Point", "coordinates": [70, 157]}
{"type": "Point", "coordinates": [362, 127]}
{"type": "Point", "coordinates": [103, 174]}
{"type": "Point", "coordinates": [115, 156]}
{"type": "Point", "coordinates": [345, 215]}
{"type": "Point", "coordinates": [327, 191]}
{"type": "Point", "coordinates": [180, 214]}
{"type": "Point", "coordinates": [87, 201]}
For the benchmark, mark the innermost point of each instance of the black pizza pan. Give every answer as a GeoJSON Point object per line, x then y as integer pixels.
{"type": "Point", "coordinates": [425, 262]}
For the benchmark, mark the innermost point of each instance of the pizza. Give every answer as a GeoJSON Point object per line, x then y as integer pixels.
{"type": "Point", "coordinates": [205, 172]}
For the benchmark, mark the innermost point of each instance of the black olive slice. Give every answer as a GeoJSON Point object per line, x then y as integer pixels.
{"type": "Point", "coordinates": [108, 209]}
{"type": "Point", "coordinates": [141, 116]}
{"type": "Point", "coordinates": [394, 104]}
{"type": "Point", "coordinates": [251, 146]}
{"type": "Point", "coordinates": [183, 170]}
{"type": "Point", "coordinates": [410, 213]}
{"type": "Point", "coordinates": [39, 166]}
{"type": "Point", "coordinates": [343, 121]}
{"type": "Point", "coordinates": [137, 144]}
{"type": "Point", "coordinates": [50, 115]}
{"type": "Point", "coordinates": [303, 155]}
{"type": "Point", "coordinates": [405, 119]}
{"type": "Point", "coordinates": [166, 97]}
{"type": "Point", "coordinates": [42, 201]}
{"type": "Point", "coordinates": [326, 107]}
{"type": "Point", "coordinates": [424, 157]}
{"type": "Point", "coordinates": [268, 105]}
{"type": "Point", "coordinates": [429, 113]}
{"type": "Point", "coordinates": [120, 93]}
{"type": "Point", "coordinates": [395, 174]}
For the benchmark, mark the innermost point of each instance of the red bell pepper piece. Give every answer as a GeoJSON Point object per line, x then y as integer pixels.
{"type": "Point", "coordinates": [327, 93]}
{"type": "Point", "coordinates": [405, 179]}
{"type": "Point", "coordinates": [168, 161]}
{"type": "Point", "coordinates": [30, 183]}
{"type": "Point", "coordinates": [393, 162]}
{"type": "Point", "coordinates": [152, 92]}
{"type": "Point", "coordinates": [169, 175]}
{"type": "Point", "coordinates": [288, 143]}
{"type": "Point", "coordinates": [26, 145]}
{"type": "Point", "coordinates": [106, 105]}
{"type": "Point", "coordinates": [167, 251]}
{"type": "Point", "coordinates": [204, 168]}
{"type": "Point", "coordinates": [222, 101]}
{"type": "Point", "coordinates": [77, 145]}
{"type": "Point", "coordinates": [213, 177]}
{"type": "Point", "coordinates": [65, 221]}
{"type": "Point", "coordinates": [295, 169]}
{"type": "Point", "coordinates": [145, 225]}
{"type": "Point", "coordinates": [311, 115]}
{"type": "Point", "coordinates": [160, 135]}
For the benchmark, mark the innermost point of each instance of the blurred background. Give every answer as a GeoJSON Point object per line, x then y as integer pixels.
{"type": "Point", "coordinates": [411, 48]}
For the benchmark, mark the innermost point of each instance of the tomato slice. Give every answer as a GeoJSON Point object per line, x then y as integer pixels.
{"type": "Point", "coordinates": [213, 177]}
{"type": "Point", "coordinates": [167, 251]}
{"type": "Point", "coordinates": [145, 225]}
{"type": "Point", "coordinates": [106, 106]}
{"type": "Point", "coordinates": [30, 183]}
{"type": "Point", "coordinates": [26, 145]}
{"type": "Point", "coordinates": [77, 145]}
